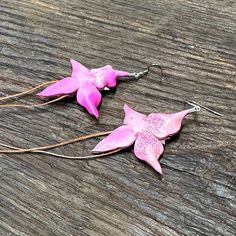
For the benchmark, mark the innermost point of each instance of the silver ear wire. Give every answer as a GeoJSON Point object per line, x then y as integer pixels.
{"type": "Point", "coordinates": [141, 74]}
{"type": "Point", "coordinates": [197, 106]}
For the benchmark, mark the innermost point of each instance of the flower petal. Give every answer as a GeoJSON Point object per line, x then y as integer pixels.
{"type": "Point", "coordinates": [163, 125]}
{"type": "Point", "coordinates": [77, 68]}
{"type": "Point", "coordinates": [149, 149]}
{"type": "Point", "coordinates": [120, 73]}
{"type": "Point", "coordinates": [121, 137]}
{"type": "Point", "coordinates": [105, 76]}
{"type": "Point", "coordinates": [134, 118]}
{"type": "Point", "coordinates": [67, 85]}
{"type": "Point", "coordinates": [89, 97]}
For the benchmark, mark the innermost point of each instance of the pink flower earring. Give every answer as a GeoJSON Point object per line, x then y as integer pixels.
{"type": "Point", "coordinates": [148, 133]}
{"type": "Point", "coordinates": [85, 83]}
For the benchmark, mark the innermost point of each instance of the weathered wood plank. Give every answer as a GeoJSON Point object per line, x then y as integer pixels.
{"type": "Point", "coordinates": [195, 43]}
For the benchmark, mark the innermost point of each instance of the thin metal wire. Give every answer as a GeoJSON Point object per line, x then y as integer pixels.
{"type": "Point", "coordinates": [195, 107]}
{"type": "Point", "coordinates": [74, 140]}
{"type": "Point", "coordinates": [65, 156]}
{"type": "Point", "coordinates": [31, 105]}
{"type": "Point", "coordinates": [27, 91]}
{"type": "Point", "coordinates": [193, 103]}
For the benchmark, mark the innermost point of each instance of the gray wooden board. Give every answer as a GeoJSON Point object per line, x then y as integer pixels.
{"type": "Point", "coordinates": [195, 43]}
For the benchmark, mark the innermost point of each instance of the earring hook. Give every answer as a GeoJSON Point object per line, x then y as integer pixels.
{"type": "Point", "coordinates": [195, 108]}
{"type": "Point", "coordinates": [138, 75]}
{"type": "Point", "coordinates": [195, 104]}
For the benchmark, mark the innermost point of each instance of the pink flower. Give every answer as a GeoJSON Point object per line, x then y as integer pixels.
{"type": "Point", "coordinates": [147, 132]}
{"type": "Point", "coordinates": [86, 83]}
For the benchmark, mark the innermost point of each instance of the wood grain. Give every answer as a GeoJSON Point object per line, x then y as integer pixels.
{"type": "Point", "coordinates": [195, 43]}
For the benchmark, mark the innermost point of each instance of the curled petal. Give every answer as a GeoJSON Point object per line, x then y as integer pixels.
{"type": "Point", "coordinates": [77, 68]}
{"type": "Point", "coordinates": [67, 85]}
{"type": "Point", "coordinates": [89, 97]}
{"type": "Point", "coordinates": [105, 76]}
{"type": "Point", "coordinates": [121, 137]}
{"type": "Point", "coordinates": [149, 149]}
{"type": "Point", "coordinates": [134, 118]}
{"type": "Point", "coordinates": [163, 125]}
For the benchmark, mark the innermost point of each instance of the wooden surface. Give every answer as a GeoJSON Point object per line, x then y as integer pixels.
{"type": "Point", "coordinates": [195, 43]}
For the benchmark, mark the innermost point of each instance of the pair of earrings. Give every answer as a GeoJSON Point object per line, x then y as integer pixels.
{"type": "Point", "coordinates": [148, 133]}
